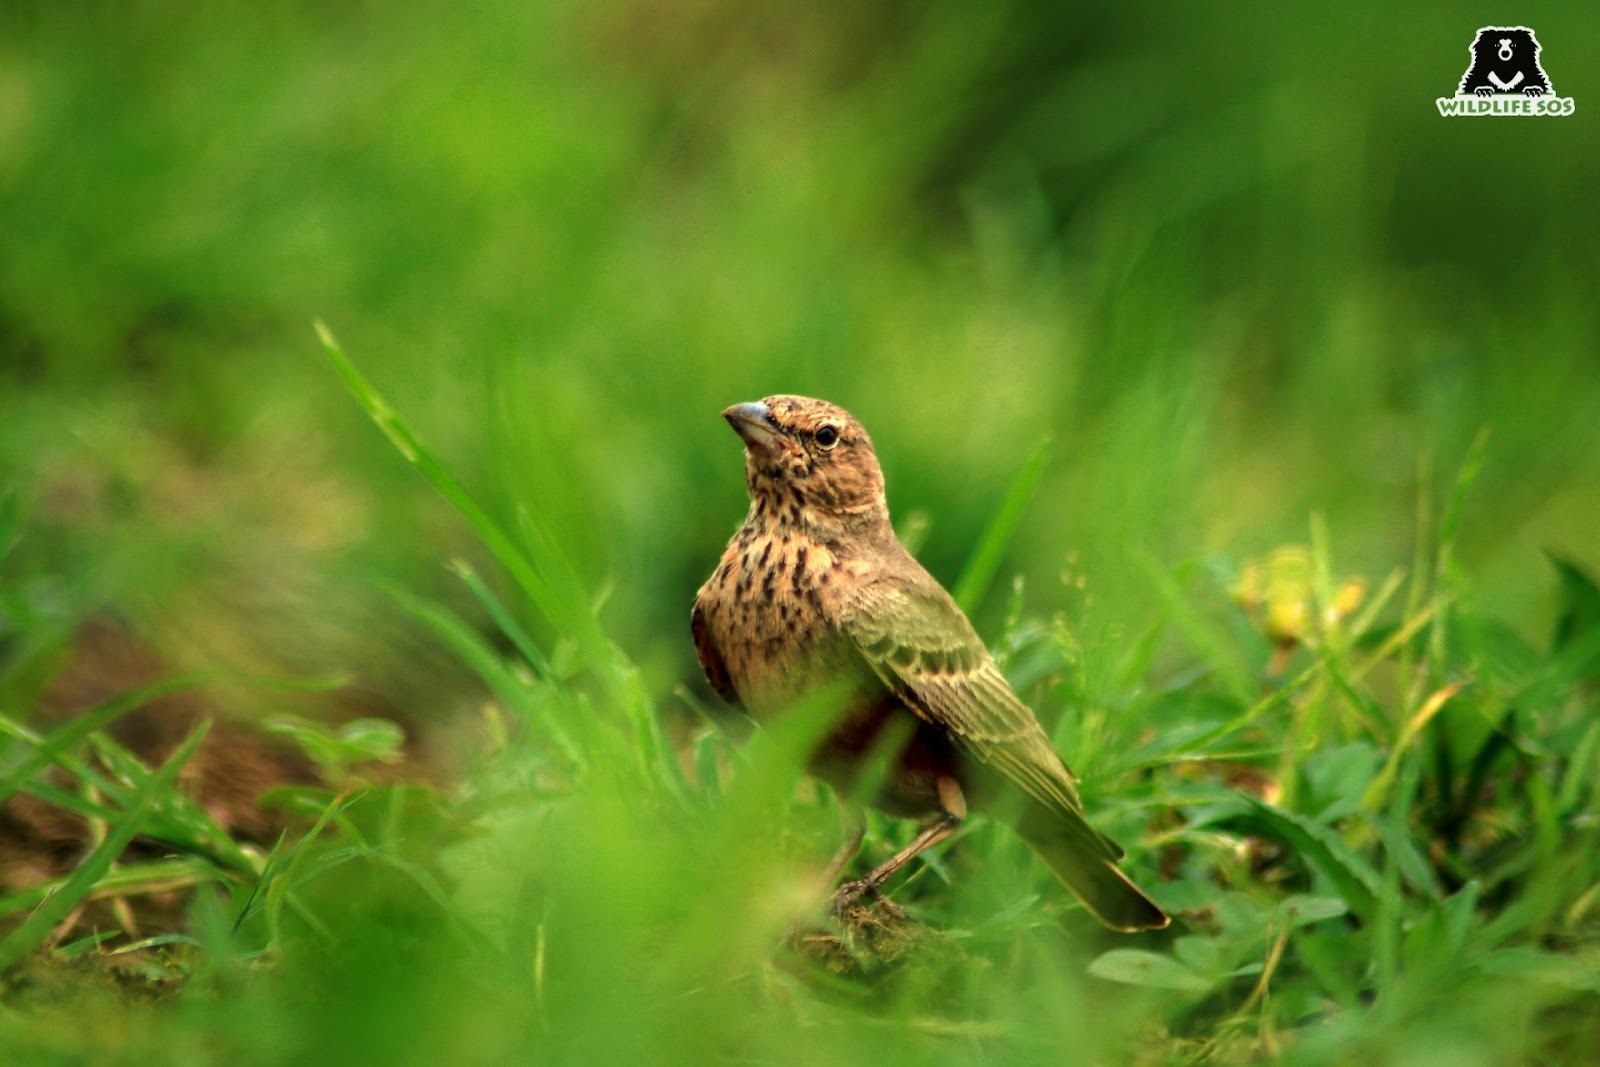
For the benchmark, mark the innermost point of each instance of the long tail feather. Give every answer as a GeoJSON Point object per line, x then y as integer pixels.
{"type": "Point", "coordinates": [1074, 854]}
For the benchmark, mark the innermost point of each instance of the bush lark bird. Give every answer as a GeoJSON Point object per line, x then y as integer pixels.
{"type": "Point", "coordinates": [815, 594]}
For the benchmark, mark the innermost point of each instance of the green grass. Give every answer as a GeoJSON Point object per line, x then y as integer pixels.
{"type": "Point", "coordinates": [579, 897]}
{"type": "Point", "coordinates": [1302, 583]}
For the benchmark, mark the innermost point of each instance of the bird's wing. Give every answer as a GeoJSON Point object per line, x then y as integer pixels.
{"type": "Point", "coordinates": [920, 645]}
{"type": "Point", "coordinates": [716, 671]}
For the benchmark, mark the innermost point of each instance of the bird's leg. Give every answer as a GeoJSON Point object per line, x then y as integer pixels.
{"type": "Point", "coordinates": [855, 831]}
{"type": "Point", "coordinates": [954, 809]}
{"type": "Point", "coordinates": [933, 831]}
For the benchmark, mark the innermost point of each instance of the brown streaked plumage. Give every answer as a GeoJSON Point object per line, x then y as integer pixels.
{"type": "Point", "coordinates": [815, 591]}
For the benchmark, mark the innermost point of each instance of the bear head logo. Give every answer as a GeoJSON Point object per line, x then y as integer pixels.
{"type": "Point", "coordinates": [1505, 59]}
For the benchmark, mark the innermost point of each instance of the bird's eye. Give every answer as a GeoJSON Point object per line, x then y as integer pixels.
{"type": "Point", "coordinates": [828, 436]}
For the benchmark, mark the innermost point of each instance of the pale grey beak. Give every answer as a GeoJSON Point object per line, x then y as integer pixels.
{"type": "Point", "coordinates": [753, 422]}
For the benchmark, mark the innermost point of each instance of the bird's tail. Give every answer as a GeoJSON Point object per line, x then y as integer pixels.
{"type": "Point", "coordinates": [1083, 860]}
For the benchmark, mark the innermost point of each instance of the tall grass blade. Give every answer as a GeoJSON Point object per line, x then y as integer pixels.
{"type": "Point", "coordinates": [984, 563]}
{"type": "Point", "coordinates": [519, 637]}
{"type": "Point", "coordinates": [545, 579]}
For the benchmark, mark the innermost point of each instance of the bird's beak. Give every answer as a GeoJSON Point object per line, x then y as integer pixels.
{"type": "Point", "coordinates": [753, 422]}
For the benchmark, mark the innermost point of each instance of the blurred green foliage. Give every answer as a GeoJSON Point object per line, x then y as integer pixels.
{"type": "Point", "coordinates": [1228, 261]}
{"type": "Point", "coordinates": [1232, 262]}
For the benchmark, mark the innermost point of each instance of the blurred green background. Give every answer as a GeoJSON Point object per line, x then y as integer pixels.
{"type": "Point", "coordinates": [1227, 259]}
{"type": "Point", "coordinates": [1230, 261]}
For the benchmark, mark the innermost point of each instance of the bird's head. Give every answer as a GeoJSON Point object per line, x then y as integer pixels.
{"type": "Point", "coordinates": [809, 463]}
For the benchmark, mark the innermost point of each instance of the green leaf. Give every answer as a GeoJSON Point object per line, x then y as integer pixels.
{"type": "Point", "coordinates": [1336, 959]}
{"type": "Point", "coordinates": [1152, 970]}
{"type": "Point", "coordinates": [1402, 847]}
{"type": "Point", "coordinates": [1532, 965]}
{"type": "Point", "coordinates": [1339, 778]}
{"type": "Point", "coordinates": [1303, 910]}
{"type": "Point", "coordinates": [1471, 467]}
{"type": "Point", "coordinates": [372, 739]}
{"type": "Point", "coordinates": [1357, 882]}
{"type": "Point", "coordinates": [1502, 738]}
{"type": "Point", "coordinates": [313, 740]}
{"type": "Point", "coordinates": [1200, 954]}
{"type": "Point", "coordinates": [333, 750]}
{"type": "Point", "coordinates": [1458, 914]}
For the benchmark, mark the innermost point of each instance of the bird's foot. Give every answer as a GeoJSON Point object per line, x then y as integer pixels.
{"type": "Point", "coordinates": [868, 933]}
{"type": "Point", "coordinates": [847, 900]}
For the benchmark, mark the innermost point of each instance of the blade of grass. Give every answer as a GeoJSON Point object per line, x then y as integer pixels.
{"type": "Point", "coordinates": [657, 758]}
{"type": "Point", "coordinates": [1378, 792]}
{"type": "Point", "coordinates": [543, 580]}
{"type": "Point", "coordinates": [1198, 746]}
{"type": "Point", "coordinates": [1322, 587]}
{"type": "Point", "coordinates": [179, 821]}
{"type": "Point", "coordinates": [1449, 530]}
{"type": "Point", "coordinates": [73, 949]}
{"type": "Point", "coordinates": [1368, 615]}
{"type": "Point", "coordinates": [1397, 643]}
{"type": "Point", "coordinates": [503, 618]}
{"type": "Point", "coordinates": [1581, 773]}
{"type": "Point", "coordinates": [37, 926]}
{"type": "Point", "coordinates": [158, 941]}
{"type": "Point", "coordinates": [978, 575]}
{"type": "Point", "coordinates": [274, 889]}
{"type": "Point", "coordinates": [133, 879]}
{"type": "Point", "coordinates": [1230, 667]}
{"type": "Point", "coordinates": [68, 801]}
{"type": "Point", "coordinates": [513, 691]}
{"type": "Point", "coordinates": [48, 749]}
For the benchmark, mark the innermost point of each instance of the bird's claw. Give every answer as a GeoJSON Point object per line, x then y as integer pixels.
{"type": "Point", "coordinates": [850, 894]}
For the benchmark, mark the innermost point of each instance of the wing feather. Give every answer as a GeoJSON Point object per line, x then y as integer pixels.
{"type": "Point", "coordinates": [920, 645]}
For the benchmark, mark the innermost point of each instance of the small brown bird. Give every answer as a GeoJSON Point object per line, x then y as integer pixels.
{"type": "Point", "coordinates": [815, 594]}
